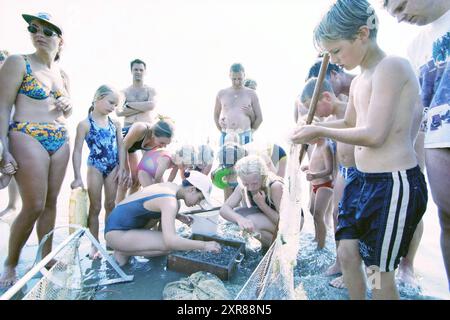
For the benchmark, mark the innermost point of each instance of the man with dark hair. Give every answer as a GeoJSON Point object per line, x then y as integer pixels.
{"type": "Point", "coordinates": [137, 61]}
{"type": "Point", "coordinates": [430, 56]}
{"type": "Point", "coordinates": [237, 108]}
{"type": "Point", "coordinates": [138, 107]}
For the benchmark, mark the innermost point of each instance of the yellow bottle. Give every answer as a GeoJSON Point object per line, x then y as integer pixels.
{"type": "Point", "coordinates": [78, 208]}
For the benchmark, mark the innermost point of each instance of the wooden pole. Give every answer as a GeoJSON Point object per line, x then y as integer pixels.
{"type": "Point", "coordinates": [315, 99]}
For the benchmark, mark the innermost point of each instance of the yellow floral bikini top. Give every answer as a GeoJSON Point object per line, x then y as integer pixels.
{"type": "Point", "coordinates": [33, 88]}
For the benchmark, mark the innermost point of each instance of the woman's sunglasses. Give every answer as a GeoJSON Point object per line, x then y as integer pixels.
{"type": "Point", "coordinates": [46, 31]}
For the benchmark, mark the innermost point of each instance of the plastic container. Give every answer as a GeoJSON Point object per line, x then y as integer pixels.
{"type": "Point", "coordinates": [205, 223]}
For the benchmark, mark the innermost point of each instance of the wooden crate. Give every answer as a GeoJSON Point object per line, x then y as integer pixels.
{"type": "Point", "coordinates": [188, 265]}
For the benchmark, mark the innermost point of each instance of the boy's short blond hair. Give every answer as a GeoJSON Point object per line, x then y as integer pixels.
{"type": "Point", "coordinates": [343, 21]}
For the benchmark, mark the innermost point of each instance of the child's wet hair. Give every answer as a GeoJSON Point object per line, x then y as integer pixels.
{"type": "Point", "coordinates": [308, 90]}
{"type": "Point", "coordinates": [343, 21]}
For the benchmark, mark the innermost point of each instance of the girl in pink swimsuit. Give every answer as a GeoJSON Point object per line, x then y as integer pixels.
{"type": "Point", "coordinates": [153, 165]}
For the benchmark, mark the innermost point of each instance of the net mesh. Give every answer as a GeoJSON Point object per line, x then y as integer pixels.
{"type": "Point", "coordinates": [273, 278]}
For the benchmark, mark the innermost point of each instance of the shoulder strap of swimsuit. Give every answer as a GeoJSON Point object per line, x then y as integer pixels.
{"type": "Point", "coordinates": [27, 64]}
{"type": "Point", "coordinates": [147, 129]}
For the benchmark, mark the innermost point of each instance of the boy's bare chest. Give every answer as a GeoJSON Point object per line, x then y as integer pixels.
{"type": "Point", "coordinates": [362, 94]}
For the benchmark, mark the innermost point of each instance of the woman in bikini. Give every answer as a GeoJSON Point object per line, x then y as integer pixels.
{"type": "Point", "coordinates": [36, 143]}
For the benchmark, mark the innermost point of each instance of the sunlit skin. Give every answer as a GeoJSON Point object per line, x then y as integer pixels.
{"type": "Point", "coordinates": [148, 242]}
{"type": "Point", "coordinates": [38, 174]}
{"type": "Point", "coordinates": [261, 219]}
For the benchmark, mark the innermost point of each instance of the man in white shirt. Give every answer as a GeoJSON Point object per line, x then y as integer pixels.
{"type": "Point", "coordinates": [430, 55]}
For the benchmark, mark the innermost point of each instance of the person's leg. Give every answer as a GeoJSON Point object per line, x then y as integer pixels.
{"type": "Point", "coordinates": [94, 186]}
{"type": "Point", "coordinates": [13, 198]}
{"type": "Point", "coordinates": [437, 164]}
{"type": "Point", "coordinates": [387, 289]}
{"type": "Point", "coordinates": [136, 242]}
{"type": "Point", "coordinates": [145, 179]}
{"type": "Point", "coordinates": [321, 204]}
{"type": "Point", "coordinates": [110, 185]}
{"type": "Point", "coordinates": [33, 162]}
{"type": "Point", "coordinates": [338, 192]}
{"type": "Point", "coordinates": [406, 267]}
{"type": "Point", "coordinates": [133, 160]}
{"type": "Point", "coordinates": [56, 173]}
{"type": "Point", "coordinates": [352, 269]}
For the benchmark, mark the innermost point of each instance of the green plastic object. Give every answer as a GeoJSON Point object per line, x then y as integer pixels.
{"type": "Point", "coordinates": [218, 176]}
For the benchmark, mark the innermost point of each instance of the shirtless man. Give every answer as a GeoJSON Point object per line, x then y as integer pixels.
{"type": "Point", "coordinates": [236, 106]}
{"type": "Point", "coordinates": [382, 206]}
{"type": "Point", "coordinates": [429, 54]}
{"type": "Point", "coordinates": [138, 107]}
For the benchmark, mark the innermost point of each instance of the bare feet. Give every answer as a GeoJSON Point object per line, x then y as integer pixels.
{"type": "Point", "coordinates": [94, 254]}
{"type": "Point", "coordinates": [406, 273]}
{"type": "Point", "coordinates": [338, 283]}
{"type": "Point", "coordinates": [8, 278]}
{"type": "Point", "coordinates": [335, 269]}
{"type": "Point", "coordinates": [121, 258]}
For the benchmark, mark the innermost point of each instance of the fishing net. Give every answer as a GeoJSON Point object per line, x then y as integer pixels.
{"type": "Point", "coordinates": [273, 278]}
{"type": "Point", "coordinates": [198, 286]}
{"type": "Point", "coordinates": [68, 278]}
{"type": "Point", "coordinates": [64, 281]}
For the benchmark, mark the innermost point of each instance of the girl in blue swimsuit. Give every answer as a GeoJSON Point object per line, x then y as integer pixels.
{"type": "Point", "coordinates": [127, 229]}
{"type": "Point", "coordinates": [104, 139]}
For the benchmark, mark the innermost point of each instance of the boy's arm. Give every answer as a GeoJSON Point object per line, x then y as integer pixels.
{"type": "Point", "coordinates": [257, 111]}
{"type": "Point", "coordinates": [387, 84]}
{"type": "Point", "coordinates": [82, 130]}
{"type": "Point", "coordinates": [217, 111]}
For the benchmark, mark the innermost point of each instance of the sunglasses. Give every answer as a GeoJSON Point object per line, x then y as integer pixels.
{"type": "Point", "coordinates": [46, 31]}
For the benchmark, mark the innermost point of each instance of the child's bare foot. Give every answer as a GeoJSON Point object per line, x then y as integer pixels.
{"type": "Point", "coordinates": [8, 278]}
{"type": "Point", "coordinates": [338, 283]}
{"type": "Point", "coordinates": [121, 258]}
{"type": "Point", "coordinates": [406, 273]}
{"type": "Point", "coordinates": [335, 269]}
